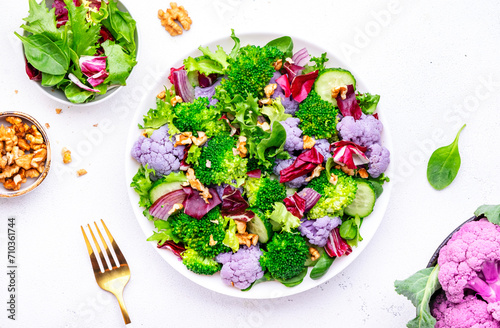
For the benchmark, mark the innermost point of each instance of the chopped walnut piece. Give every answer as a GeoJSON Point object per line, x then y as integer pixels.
{"type": "Point", "coordinates": [183, 139]}
{"type": "Point", "coordinates": [333, 179]}
{"type": "Point", "coordinates": [247, 239]}
{"type": "Point", "coordinates": [362, 173]}
{"type": "Point", "coordinates": [25, 161]}
{"type": "Point", "coordinates": [315, 173]}
{"type": "Point", "coordinates": [308, 142]}
{"type": "Point", "coordinates": [212, 242]}
{"type": "Point", "coordinates": [278, 64]}
{"type": "Point", "coordinates": [314, 253]}
{"type": "Point", "coordinates": [32, 173]}
{"type": "Point", "coordinates": [66, 155]}
{"type": "Point", "coordinates": [81, 172]}
{"type": "Point", "coordinates": [176, 208]}
{"type": "Point", "coordinates": [9, 171]}
{"type": "Point", "coordinates": [3, 162]}
{"type": "Point", "coordinates": [58, 110]}
{"type": "Point", "coordinates": [23, 144]}
{"type": "Point", "coordinates": [241, 226]}
{"type": "Point", "coordinates": [269, 89]}
{"type": "Point", "coordinates": [11, 185]}
{"type": "Point", "coordinates": [175, 100]}
{"type": "Point", "coordinates": [161, 95]}
{"type": "Point", "coordinates": [14, 120]}
{"type": "Point", "coordinates": [345, 169]}
{"type": "Point", "coordinates": [39, 157]}
{"type": "Point", "coordinates": [266, 101]}
{"type": "Point", "coordinates": [47, 125]}
{"type": "Point", "coordinates": [341, 89]}
{"type": "Point", "coordinates": [175, 13]}
{"type": "Point", "coordinates": [241, 150]}
{"type": "Point", "coordinates": [200, 141]}
{"type": "Point", "coordinates": [264, 125]}
{"type": "Point", "coordinates": [196, 184]}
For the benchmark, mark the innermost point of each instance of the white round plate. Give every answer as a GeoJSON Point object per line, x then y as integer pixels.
{"type": "Point", "coordinates": [270, 289]}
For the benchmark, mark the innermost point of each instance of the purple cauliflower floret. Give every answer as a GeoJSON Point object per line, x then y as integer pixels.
{"type": "Point", "coordinates": [471, 261]}
{"type": "Point", "coordinates": [323, 147]}
{"type": "Point", "coordinates": [158, 152]}
{"type": "Point", "coordinates": [281, 164]}
{"type": "Point", "coordinates": [289, 103]}
{"type": "Point", "coordinates": [208, 92]}
{"type": "Point", "coordinates": [293, 134]}
{"type": "Point", "coordinates": [471, 312]}
{"type": "Point", "coordinates": [364, 132]}
{"type": "Point", "coordinates": [317, 231]}
{"type": "Point", "coordinates": [242, 268]}
{"type": "Point", "coordinates": [379, 157]}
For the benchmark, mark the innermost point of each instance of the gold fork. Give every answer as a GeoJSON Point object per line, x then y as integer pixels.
{"type": "Point", "coordinates": [112, 279]}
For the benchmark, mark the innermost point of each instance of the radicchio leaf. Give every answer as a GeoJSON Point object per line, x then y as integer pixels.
{"type": "Point", "coordinates": [183, 87]}
{"type": "Point", "coordinates": [350, 154]}
{"type": "Point", "coordinates": [94, 67]}
{"type": "Point", "coordinates": [32, 72]}
{"type": "Point", "coordinates": [177, 249]}
{"type": "Point", "coordinates": [336, 245]}
{"type": "Point", "coordinates": [164, 204]}
{"type": "Point", "coordinates": [255, 173]}
{"type": "Point", "coordinates": [283, 82]}
{"type": "Point", "coordinates": [292, 71]}
{"type": "Point", "coordinates": [79, 83]}
{"type": "Point", "coordinates": [311, 197]}
{"type": "Point", "coordinates": [195, 206]}
{"type": "Point", "coordinates": [302, 85]}
{"type": "Point", "coordinates": [303, 164]}
{"type": "Point", "coordinates": [295, 205]}
{"type": "Point", "coordinates": [235, 206]}
{"type": "Point", "coordinates": [172, 70]}
{"type": "Point", "coordinates": [349, 106]}
{"type": "Point", "coordinates": [206, 80]}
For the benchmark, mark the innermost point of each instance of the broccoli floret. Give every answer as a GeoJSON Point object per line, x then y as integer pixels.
{"type": "Point", "coordinates": [200, 235]}
{"type": "Point", "coordinates": [318, 118]}
{"type": "Point", "coordinates": [198, 116]}
{"type": "Point", "coordinates": [285, 256]}
{"type": "Point", "coordinates": [251, 71]}
{"type": "Point", "coordinates": [263, 193]}
{"type": "Point", "coordinates": [334, 196]}
{"type": "Point", "coordinates": [218, 164]}
{"type": "Point", "coordinates": [199, 264]}
{"type": "Point", "coordinates": [253, 163]}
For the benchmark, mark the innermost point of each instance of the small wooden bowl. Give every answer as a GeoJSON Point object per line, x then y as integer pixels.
{"type": "Point", "coordinates": [31, 183]}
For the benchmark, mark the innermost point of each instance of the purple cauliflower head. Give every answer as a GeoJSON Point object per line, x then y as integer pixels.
{"type": "Point", "coordinates": [323, 147]}
{"type": "Point", "coordinates": [317, 231]}
{"type": "Point", "coordinates": [364, 132]}
{"type": "Point", "coordinates": [471, 312]}
{"type": "Point", "coordinates": [281, 164]}
{"type": "Point", "coordinates": [208, 92]}
{"type": "Point", "coordinates": [379, 158]}
{"type": "Point", "coordinates": [471, 260]}
{"type": "Point", "coordinates": [158, 152]}
{"type": "Point", "coordinates": [294, 140]}
{"type": "Point", "coordinates": [242, 268]}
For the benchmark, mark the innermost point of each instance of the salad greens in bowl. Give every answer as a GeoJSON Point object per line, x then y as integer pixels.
{"type": "Point", "coordinates": [79, 51]}
{"type": "Point", "coordinates": [258, 161]}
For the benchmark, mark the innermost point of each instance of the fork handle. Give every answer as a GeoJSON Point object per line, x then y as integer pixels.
{"type": "Point", "coordinates": [119, 297]}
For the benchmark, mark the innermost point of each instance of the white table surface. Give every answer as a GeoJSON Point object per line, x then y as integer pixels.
{"type": "Point", "coordinates": [436, 65]}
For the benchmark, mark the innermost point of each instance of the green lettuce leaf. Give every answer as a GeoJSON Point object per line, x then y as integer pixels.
{"type": "Point", "coordinates": [41, 20]}
{"type": "Point", "coordinates": [230, 239]}
{"type": "Point", "coordinates": [119, 64]}
{"type": "Point", "coordinates": [159, 116]}
{"type": "Point", "coordinates": [142, 184]}
{"type": "Point", "coordinates": [275, 112]}
{"type": "Point", "coordinates": [203, 65]}
{"type": "Point", "coordinates": [275, 142]}
{"type": "Point", "coordinates": [44, 54]}
{"type": "Point", "coordinates": [85, 34]}
{"type": "Point", "coordinates": [281, 217]}
{"type": "Point", "coordinates": [122, 27]}
{"type": "Point", "coordinates": [77, 95]}
{"type": "Point", "coordinates": [368, 102]}
{"type": "Point", "coordinates": [219, 56]}
{"type": "Point", "coordinates": [419, 289]}
{"type": "Point", "coordinates": [164, 233]}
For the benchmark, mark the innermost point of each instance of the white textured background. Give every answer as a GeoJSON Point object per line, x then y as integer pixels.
{"type": "Point", "coordinates": [436, 66]}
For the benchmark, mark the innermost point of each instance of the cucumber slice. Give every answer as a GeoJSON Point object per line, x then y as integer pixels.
{"type": "Point", "coordinates": [261, 227]}
{"type": "Point", "coordinates": [162, 187]}
{"type": "Point", "coordinates": [330, 78]}
{"type": "Point", "coordinates": [363, 203]}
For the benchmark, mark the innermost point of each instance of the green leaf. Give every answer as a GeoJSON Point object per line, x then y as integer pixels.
{"type": "Point", "coordinates": [236, 46]}
{"type": "Point", "coordinates": [159, 116]}
{"type": "Point", "coordinates": [102, 14]}
{"type": "Point", "coordinates": [85, 34]}
{"type": "Point", "coordinates": [165, 233]}
{"type": "Point", "coordinates": [349, 230]}
{"type": "Point", "coordinates": [41, 20]}
{"type": "Point", "coordinates": [444, 164]}
{"type": "Point", "coordinates": [492, 213]}
{"type": "Point", "coordinates": [419, 289]}
{"type": "Point", "coordinates": [203, 65]}
{"type": "Point", "coordinates": [219, 56]}
{"type": "Point", "coordinates": [276, 140]}
{"type": "Point", "coordinates": [49, 80]}
{"type": "Point", "coordinates": [275, 112]}
{"type": "Point", "coordinates": [319, 64]}
{"type": "Point", "coordinates": [142, 184]}
{"type": "Point", "coordinates": [230, 239]}
{"type": "Point", "coordinates": [194, 153]}
{"type": "Point", "coordinates": [119, 64]}
{"type": "Point", "coordinates": [122, 27]}
{"type": "Point", "coordinates": [283, 218]}
{"type": "Point", "coordinates": [44, 54]}
{"type": "Point", "coordinates": [297, 280]}
{"type": "Point", "coordinates": [368, 102]}
{"type": "Point", "coordinates": [284, 43]}
{"type": "Point", "coordinates": [322, 265]}
{"type": "Point", "coordinates": [77, 95]}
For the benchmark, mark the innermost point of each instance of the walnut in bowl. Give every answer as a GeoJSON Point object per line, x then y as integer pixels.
{"type": "Point", "coordinates": [24, 154]}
